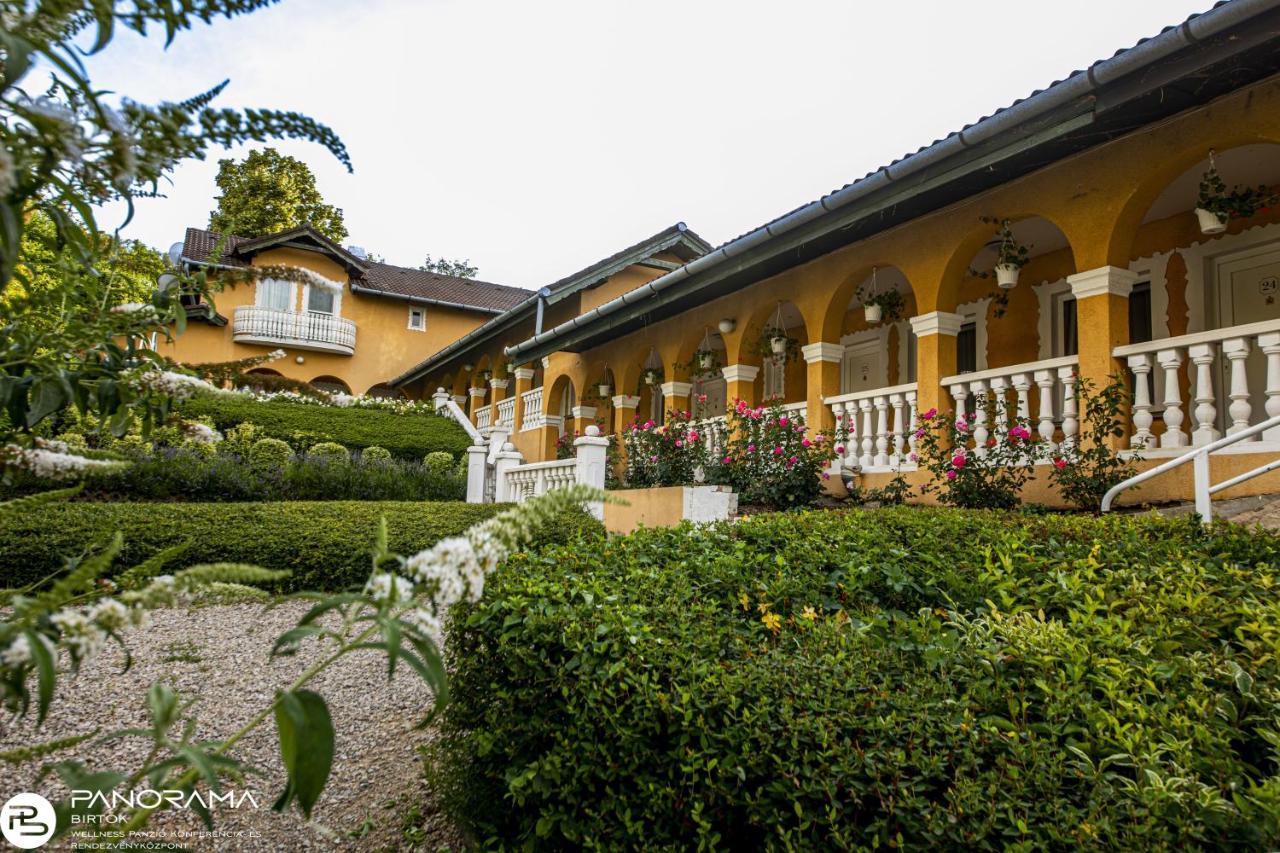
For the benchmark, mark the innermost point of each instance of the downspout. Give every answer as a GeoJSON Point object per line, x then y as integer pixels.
{"type": "Point", "coordinates": [542, 304]}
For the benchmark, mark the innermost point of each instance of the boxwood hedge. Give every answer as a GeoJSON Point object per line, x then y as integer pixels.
{"type": "Point", "coordinates": [906, 678]}
{"type": "Point", "coordinates": [325, 544]}
{"type": "Point", "coordinates": [408, 436]}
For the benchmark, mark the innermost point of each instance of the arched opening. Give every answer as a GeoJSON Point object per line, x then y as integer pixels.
{"type": "Point", "coordinates": [704, 358]}
{"type": "Point", "coordinates": [649, 388]}
{"type": "Point", "coordinates": [263, 371]}
{"type": "Point", "coordinates": [872, 325]}
{"type": "Point", "coordinates": [560, 400]}
{"type": "Point", "coordinates": [1202, 237]}
{"type": "Point", "coordinates": [775, 338]}
{"type": "Point", "coordinates": [331, 385]}
{"type": "Point", "coordinates": [384, 391]}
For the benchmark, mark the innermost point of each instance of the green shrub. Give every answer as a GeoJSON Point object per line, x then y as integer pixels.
{"type": "Point", "coordinates": [324, 544]}
{"type": "Point", "coordinates": [438, 461]}
{"type": "Point", "coordinates": [407, 436]}
{"type": "Point", "coordinates": [269, 454]}
{"type": "Point", "coordinates": [239, 439]}
{"type": "Point", "coordinates": [330, 452]}
{"type": "Point", "coordinates": [375, 454]}
{"type": "Point", "coordinates": [906, 678]}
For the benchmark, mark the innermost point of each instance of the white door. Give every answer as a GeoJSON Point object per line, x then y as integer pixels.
{"type": "Point", "coordinates": [863, 367]}
{"type": "Point", "coordinates": [1248, 292]}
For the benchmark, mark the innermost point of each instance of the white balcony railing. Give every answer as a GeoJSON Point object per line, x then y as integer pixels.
{"type": "Point", "coordinates": [1228, 397]}
{"type": "Point", "coordinates": [880, 425]}
{"type": "Point", "coordinates": [506, 413]}
{"type": "Point", "coordinates": [1006, 388]}
{"type": "Point", "coordinates": [538, 478]}
{"type": "Point", "coordinates": [267, 326]}
{"type": "Point", "coordinates": [484, 417]}
{"type": "Point", "coordinates": [532, 417]}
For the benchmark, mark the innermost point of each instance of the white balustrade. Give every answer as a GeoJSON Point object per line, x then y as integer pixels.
{"type": "Point", "coordinates": [538, 478]}
{"type": "Point", "coordinates": [484, 417]}
{"type": "Point", "coordinates": [300, 330]}
{"type": "Point", "coordinates": [1225, 385]}
{"type": "Point", "coordinates": [506, 413]}
{"type": "Point", "coordinates": [880, 427]}
{"type": "Point", "coordinates": [1007, 392]}
{"type": "Point", "coordinates": [532, 417]}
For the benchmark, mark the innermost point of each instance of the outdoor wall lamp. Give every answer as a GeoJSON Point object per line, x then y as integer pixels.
{"type": "Point", "coordinates": [727, 325]}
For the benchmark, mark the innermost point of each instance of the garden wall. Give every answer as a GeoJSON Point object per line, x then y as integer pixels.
{"type": "Point", "coordinates": [667, 506]}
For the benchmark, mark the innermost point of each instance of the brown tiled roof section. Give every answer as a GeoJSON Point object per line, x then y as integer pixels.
{"type": "Point", "coordinates": [199, 245]}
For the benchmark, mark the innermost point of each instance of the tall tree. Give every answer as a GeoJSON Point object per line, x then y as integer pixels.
{"type": "Point", "coordinates": [443, 266]}
{"type": "Point", "coordinates": [270, 192]}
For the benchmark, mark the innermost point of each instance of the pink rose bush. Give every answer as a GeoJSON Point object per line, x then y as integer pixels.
{"type": "Point", "coordinates": [964, 474]}
{"type": "Point", "coordinates": [670, 454]}
{"type": "Point", "coordinates": [770, 459]}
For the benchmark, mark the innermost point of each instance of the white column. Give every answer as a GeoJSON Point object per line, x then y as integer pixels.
{"type": "Point", "coordinates": [590, 454]}
{"type": "Point", "coordinates": [882, 431]}
{"type": "Point", "coordinates": [1141, 366]}
{"type": "Point", "coordinates": [1067, 375]}
{"type": "Point", "coordinates": [1174, 436]}
{"type": "Point", "coordinates": [1046, 381]}
{"type": "Point", "coordinates": [1270, 345]}
{"type": "Point", "coordinates": [476, 464]}
{"type": "Point", "coordinates": [1206, 413]}
{"type": "Point", "coordinates": [1240, 409]}
{"type": "Point", "coordinates": [504, 461]}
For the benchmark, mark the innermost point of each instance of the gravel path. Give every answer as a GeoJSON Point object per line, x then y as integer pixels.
{"type": "Point", "coordinates": [218, 656]}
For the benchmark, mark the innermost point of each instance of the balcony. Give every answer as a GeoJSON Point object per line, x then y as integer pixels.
{"type": "Point", "coordinates": [269, 327]}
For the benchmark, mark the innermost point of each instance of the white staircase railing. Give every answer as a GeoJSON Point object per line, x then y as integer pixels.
{"type": "Point", "coordinates": [446, 405]}
{"type": "Point", "coordinates": [1199, 458]}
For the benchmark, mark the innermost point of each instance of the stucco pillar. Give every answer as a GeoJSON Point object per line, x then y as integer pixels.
{"type": "Point", "coordinates": [524, 382]}
{"type": "Point", "coordinates": [583, 417]}
{"type": "Point", "coordinates": [624, 412]}
{"type": "Point", "coordinates": [935, 357]}
{"type": "Point", "coordinates": [823, 380]}
{"type": "Point", "coordinates": [499, 387]}
{"type": "Point", "coordinates": [477, 401]}
{"type": "Point", "coordinates": [740, 384]}
{"type": "Point", "coordinates": [675, 396]}
{"type": "Point", "coordinates": [1102, 324]}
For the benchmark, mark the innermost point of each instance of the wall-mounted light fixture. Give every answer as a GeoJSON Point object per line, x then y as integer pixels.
{"type": "Point", "coordinates": [300, 360]}
{"type": "Point", "coordinates": [727, 325]}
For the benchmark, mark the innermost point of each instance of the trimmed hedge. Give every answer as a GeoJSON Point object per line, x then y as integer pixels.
{"type": "Point", "coordinates": [302, 425]}
{"type": "Point", "coordinates": [905, 678]}
{"type": "Point", "coordinates": [325, 544]}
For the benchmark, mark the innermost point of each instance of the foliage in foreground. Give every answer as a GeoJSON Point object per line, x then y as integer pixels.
{"type": "Point", "coordinates": [907, 678]}
{"type": "Point", "coordinates": [317, 542]}
{"type": "Point", "coordinates": [407, 436]}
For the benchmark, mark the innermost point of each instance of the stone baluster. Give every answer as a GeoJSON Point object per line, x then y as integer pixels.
{"type": "Point", "coordinates": [868, 434]}
{"type": "Point", "coordinates": [1240, 409]}
{"type": "Point", "coordinates": [895, 400]}
{"type": "Point", "coordinates": [1270, 346]}
{"type": "Point", "coordinates": [1141, 366]}
{"type": "Point", "coordinates": [912, 424]}
{"type": "Point", "coordinates": [1206, 413]}
{"type": "Point", "coordinates": [978, 388]}
{"type": "Point", "coordinates": [882, 431]}
{"type": "Point", "coordinates": [1174, 436]}
{"type": "Point", "coordinates": [1046, 381]}
{"type": "Point", "coordinates": [1022, 387]}
{"type": "Point", "coordinates": [999, 387]}
{"type": "Point", "coordinates": [1070, 426]}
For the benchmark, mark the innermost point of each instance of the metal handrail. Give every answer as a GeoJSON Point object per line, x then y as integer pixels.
{"type": "Point", "coordinates": [1199, 457]}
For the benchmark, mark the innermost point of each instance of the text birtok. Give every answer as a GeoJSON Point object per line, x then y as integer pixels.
{"type": "Point", "coordinates": [149, 798]}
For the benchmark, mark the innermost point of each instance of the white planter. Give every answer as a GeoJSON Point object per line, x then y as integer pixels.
{"type": "Point", "coordinates": [705, 360]}
{"type": "Point", "coordinates": [650, 379]}
{"type": "Point", "coordinates": [1210, 222]}
{"type": "Point", "coordinates": [778, 345]}
{"type": "Point", "coordinates": [604, 388]}
{"type": "Point", "coordinates": [872, 312]}
{"type": "Point", "coordinates": [1007, 275]}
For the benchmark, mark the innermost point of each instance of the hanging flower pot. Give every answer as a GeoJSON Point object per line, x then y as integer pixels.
{"type": "Point", "coordinates": [706, 360]}
{"type": "Point", "coordinates": [1210, 222]}
{"type": "Point", "coordinates": [872, 312]}
{"type": "Point", "coordinates": [1007, 275]}
{"type": "Point", "coordinates": [651, 377]}
{"type": "Point", "coordinates": [605, 389]}
{"type": "Point", "coordinates": [778, 344]}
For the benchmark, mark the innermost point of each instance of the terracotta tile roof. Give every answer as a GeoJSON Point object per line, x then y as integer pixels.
{"type": "Point", "coordinates": [385, 279]}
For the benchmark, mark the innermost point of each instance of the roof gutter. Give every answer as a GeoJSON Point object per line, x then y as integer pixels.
{"type": "Point", "coordinates": [1057, 96]}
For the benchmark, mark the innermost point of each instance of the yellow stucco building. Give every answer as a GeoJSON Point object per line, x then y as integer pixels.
{"type": "Point", "coordinates": [350, 327]}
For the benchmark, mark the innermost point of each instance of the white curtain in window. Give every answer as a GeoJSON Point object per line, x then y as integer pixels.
{"type": "Point", "coordinates": [775, 374]}
{"type": "Point", "coordinates": [319, 300]}
{"type": "Point", "coordinates": [276, 294]}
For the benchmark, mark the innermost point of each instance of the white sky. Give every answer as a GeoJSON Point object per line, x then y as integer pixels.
{"type": "Point", "coordinates": [536, 138]}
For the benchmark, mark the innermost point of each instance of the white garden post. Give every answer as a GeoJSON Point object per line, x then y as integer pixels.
{"type": "Point", "coordinates": [506, 459]}
{"type": "Point", "coordinates": [591, 452]}
{"type": "Point", "coordinates": [476, 465]}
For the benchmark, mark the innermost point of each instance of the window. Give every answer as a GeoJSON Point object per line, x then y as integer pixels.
{"type": "Point", "coordinates": [1070, 334]}
{"type": "Point", "coordinates": [417, 319]}
{"type": "Point", "coordinates": [276, 294]}
{"type": "Point", "coordinates": [967, 348]}
{"type": "Point", "coordinates": [1140, 313]}
{"type": "Point", "coordinates": [320, 300]}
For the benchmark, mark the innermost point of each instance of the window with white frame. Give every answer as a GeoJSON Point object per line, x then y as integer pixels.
{"type": "Point", "coordinates": [275, 293]}
{"type": "Point", "coordinates": [418, 319]}
{"type": "Point", "coordinates": [321, 300]}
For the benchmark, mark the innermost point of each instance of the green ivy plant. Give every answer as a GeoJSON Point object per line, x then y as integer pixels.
{"type": "Point", "coordinates": [1240, 202]}
{"type": "Point", "coordinates": [1086, 469]}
